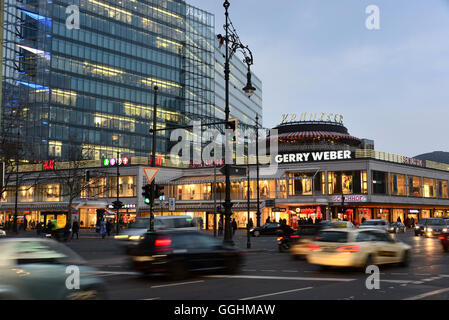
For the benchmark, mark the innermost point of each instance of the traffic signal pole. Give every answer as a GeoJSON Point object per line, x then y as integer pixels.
{"type": "Point", "coordinates": [153, 159]}
{"type": "Point", "coordinates": [118, 195]}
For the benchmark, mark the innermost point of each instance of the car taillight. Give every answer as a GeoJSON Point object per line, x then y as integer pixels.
{"type": "Point", "coordinates": [349, 249]}
{"type": "Point", "coordinates": [294, 237]}
{"type": "Point", "coordinates": [314, 247]}
{"type": "Point", "coordinates": [442, 238]}
{"type": "Point", "coordinates": [162, 244]}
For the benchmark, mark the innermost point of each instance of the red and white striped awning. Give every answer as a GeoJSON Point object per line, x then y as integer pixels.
{"type": "Point", "coordinates": [316, 134]}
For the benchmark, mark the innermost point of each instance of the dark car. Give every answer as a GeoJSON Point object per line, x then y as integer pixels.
{"type": "Point", "coordinates": [430, 227]}
{"type": "Point", "coordinates": [271, 228]}
{"type": "Point", "coordinates": [396, 227]}
{"type": "Point", "coordinates": [177, 254]}
{"type": "Point", "coordinates": [444, 237]}
{"type": "Point", "coordinates": [302, 238]}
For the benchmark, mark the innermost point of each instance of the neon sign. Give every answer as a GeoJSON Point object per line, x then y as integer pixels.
{"type": "Point", "coordinates": [112, 162]}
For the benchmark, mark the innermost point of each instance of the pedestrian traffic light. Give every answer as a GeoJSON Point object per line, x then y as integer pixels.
{"type": "Point", "coordinates": [159, 191]}
{"type": "Point", "coordinates": [147, 193]}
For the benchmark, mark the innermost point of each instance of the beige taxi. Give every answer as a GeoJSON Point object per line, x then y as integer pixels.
{"type": "Point", "coordinates": [357, 248]}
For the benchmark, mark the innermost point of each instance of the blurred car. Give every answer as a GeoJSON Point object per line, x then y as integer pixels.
{"type": "Point", "coordinates": [303, 237]}
{"type": "Point", "coordinates": [35, 269]}
{"type": "Point", "coordinates": [444, 238]}
{"type": "Point", "coordinates": [2, 233]}
{"type": "Point", "coordinates": [134, 233]}
{"type": "Point", "coordinates": [336, 224]}
{"type": "Point", "coordinates": [271, 228]}
{"type": "Point", "coordinates": [380, 224]}
{"type": "Point", "coordinates": [357, 248]}
{"type": "Point", "coordinates": [396, 227]}
{"type": "Point", "coordinates": [177, 254]}
{"type": "Point", "coordinates": [430, 227]}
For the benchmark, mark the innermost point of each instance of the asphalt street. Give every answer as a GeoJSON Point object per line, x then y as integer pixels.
{"type": "Point", "coordinates": [271, 275]}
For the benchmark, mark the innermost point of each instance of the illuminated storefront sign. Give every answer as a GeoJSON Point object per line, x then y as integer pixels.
{"type": "Point", "coordinates": [49, 165]}
{"type": "Point", "coordinates": [312, 116]}
{"type": "Point", "coordinates": [313, 156]}
{"type": "Point", "coordinates": [355, 198]}
{"type": "Point", "coordinates": [112, 162]}
{"type": "Point", "coordinates": [412, 161]}
{"type": "Point", "coordinates": [125, 206]}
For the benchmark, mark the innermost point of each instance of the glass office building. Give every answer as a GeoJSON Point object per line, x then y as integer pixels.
{"type": "Point", "coordinates": [91, 88]}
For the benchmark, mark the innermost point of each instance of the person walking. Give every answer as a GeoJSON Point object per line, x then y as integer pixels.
{"type": "Point", "coordinates": [103, 228]}
{"type": "Point", "coordinates": [39, 229]}
{"type": "Point", "coordinates": [251, 223]}
{"type": "Point", "coordinates": [75, 229]}
{"type": "Point", "coordinates": [25, 224]}
{"type": "Point", "coordinates": [108, 227]}
{"type": "Point", "coordinates": [234, 226]}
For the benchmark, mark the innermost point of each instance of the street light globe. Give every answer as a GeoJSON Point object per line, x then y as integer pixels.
{"type": "Point", "coordinates": [249, 89]}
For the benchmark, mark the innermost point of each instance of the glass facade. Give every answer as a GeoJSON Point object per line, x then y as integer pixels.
{"type": "Point", "coordinates": [92, 88]}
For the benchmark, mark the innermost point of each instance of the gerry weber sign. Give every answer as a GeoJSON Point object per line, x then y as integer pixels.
{"type": "Point", "coordinates": [313, 156]}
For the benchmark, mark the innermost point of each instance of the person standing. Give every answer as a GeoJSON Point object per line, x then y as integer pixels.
{"type": "Point", "coordinates": [234, 226]}
{"type": "Point", "coordinates": [220, 227]}
{"type": "Point", "coordinates": [75, 229]}
{"type": "Point", "coordinates": [108, 227]}
{"type": "Point", "coordinates": [103, 228]}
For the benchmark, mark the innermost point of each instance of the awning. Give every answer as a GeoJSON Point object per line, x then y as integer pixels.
{"type": "Point", "coordinates": [316, 134]}
{"type": "Point", "coordinates": [36, 206]}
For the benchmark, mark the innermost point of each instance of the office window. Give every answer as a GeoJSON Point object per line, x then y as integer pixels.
{"type": "Point", "coordinates": [379, 182]}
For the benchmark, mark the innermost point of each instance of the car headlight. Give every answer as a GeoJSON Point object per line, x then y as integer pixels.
{"type": "Point", "coordinates": [429, 229]}
{"type": "Point", "coordinates": [251, 230]}
{"type": "Point", "coordinates": [445, 230]}
{"type": "Point", "coordinates": [121, 237]}
{"type": "Point", "coordinates": [416, 227]}
{"type": "Point", "coordinates": [135, 238]}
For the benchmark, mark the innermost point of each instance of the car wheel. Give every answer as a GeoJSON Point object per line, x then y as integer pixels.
{"type": "Point", "coordinates": [232, 266]}
{"type": "Point", "coordinates": [368, 262]}
{"type": "Point", "coordinates": [178, 271]}
{"type": "Point", "coordinates": [405, 259]}
{"type": "Point", "coordinates": [256, 233]}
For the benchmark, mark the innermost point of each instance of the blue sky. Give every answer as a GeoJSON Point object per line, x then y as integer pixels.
{"type": "Point", "coordinates": [391, 85]}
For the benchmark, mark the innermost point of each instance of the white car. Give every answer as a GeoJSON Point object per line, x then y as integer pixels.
{"type": "Point", "coordinates": [375, 224]}
{"type": "Point", "coordinates": [357, 248]}
{"type": "Point", "coordinates": [2, 233]}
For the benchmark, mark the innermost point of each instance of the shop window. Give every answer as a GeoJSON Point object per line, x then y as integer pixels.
{"type": "Point", "coordinates": [428, 188]}
{"type": "Point", "coordinates": [127, 186]}
{"type": "Point", "coordinates": [379, 182]}
{"type": "Point", "coordinates": [302, 185]}
{"type": "Point", "coordinates": [414, 186]}
{"type": "Point", "coordinates": [282, 189]}
{"type": "Point", "coordinates": [443, 191]}
{"type": "Point", "coordinates": [398, 184]}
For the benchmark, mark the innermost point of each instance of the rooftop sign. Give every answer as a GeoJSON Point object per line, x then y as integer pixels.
{"type": "Point", "coordinates": [312, 116]}
{"type": "Point", "coordinates": [313, 156]}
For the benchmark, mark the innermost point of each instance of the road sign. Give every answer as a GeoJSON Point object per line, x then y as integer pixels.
{"type": "Point", "coordinates": [171, 204]}
{"type": "Point", "coordinates": [150, 173]}
{"type": "Point", "coordinates": [234, 171]}
{"type": "Point", "coordinates": [269, 203]}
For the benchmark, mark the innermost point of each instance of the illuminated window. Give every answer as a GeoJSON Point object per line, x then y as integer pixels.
{"type": "Point", "coordinates": [428, 188]}
{"type": "Point", "coordinates": [54, 148]}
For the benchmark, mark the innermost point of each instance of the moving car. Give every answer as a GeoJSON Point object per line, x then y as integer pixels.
{"type": "Point", "coordinates": [2, 233]}
{"type": "Point", "coordinates": [271, 228]}
{"type": "Point", "coordinates": [36, 268]}
{"type": "Point", "coordinates": [304, 236]}
{"type": "Point", "coordinates": [396, 227]}
{"type": "Point", "coordinates": [444, 238]}
{"type": "Point", "coordinates": [336, 224]}
{"type": "Point", "coordinates": [177, 254]}
{"type": "Point", "coordinates": [430, 227]}
{"type": "Point", "coordinates": [134, 233]}
{"type": "Point", "coordinates": [380, 224]}
{"type": "Point", "coordinates": [357, 248]}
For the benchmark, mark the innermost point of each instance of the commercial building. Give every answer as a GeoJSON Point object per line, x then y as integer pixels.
{"type": "Point", "coordinates": [90, 87]}
{"type": "Point", "coordinates": [318, 164]}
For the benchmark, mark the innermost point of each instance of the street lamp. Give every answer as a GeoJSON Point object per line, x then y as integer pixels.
{"type": "Point", "coordinates": [233, 44]}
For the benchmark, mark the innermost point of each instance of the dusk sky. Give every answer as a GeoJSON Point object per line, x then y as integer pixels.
{"type": "Point", "coordinates": [391, 85]}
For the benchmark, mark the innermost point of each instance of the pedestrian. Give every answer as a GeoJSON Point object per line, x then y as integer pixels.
{"type": "Point", "coordinates": [75, 229]}
{"type": "Point", "coordinates": [50, 228]}
{"type": "Point", "coordinates": [39, 229]}
{"type": "Point", "coordinates": [413, 222]}
{"type": "Point", "coordinates": [234, 226]}
{"type": "Point", "coordinates": [268, 220]}
{"type": "Point", "coordinates": [220, 227]}
{"type": "Point", "coordinates": [25, 224]}
{"type": "Point", "coordinates": [108, 227]}
{"type": "Point", "coordinates": [250, 224]}
{"type": "Point", "coordinates": [200, 222]}
{"type": "Point", "coordinates": [103, 228]}
{"type": "Point", "coordinates": [399, 220]}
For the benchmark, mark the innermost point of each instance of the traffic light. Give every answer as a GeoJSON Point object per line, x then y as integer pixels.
{"type": "Point", "coordinates": [117, 204]}
{"type": "Point", "coordinates": [147, 193]}
{"type": "Point", "coordinates": [233, 124]}
{"type": "Point", "coordinates": [159, 191]}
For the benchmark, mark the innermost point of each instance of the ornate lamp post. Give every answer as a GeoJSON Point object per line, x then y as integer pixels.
{"type": "Point", "coordinates": [233, 44]}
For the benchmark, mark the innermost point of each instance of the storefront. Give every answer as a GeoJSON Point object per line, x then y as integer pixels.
{"type": "Point", "coordinates": [398, 214]}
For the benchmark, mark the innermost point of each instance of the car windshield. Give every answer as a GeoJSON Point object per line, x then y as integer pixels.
{"type": "Point", "coordinates": [182, 222]}
{"type": "Point", "coordinates": [140, 224]}
{"type": "Point", "coordinates": [339, 224]}
{"type": "Point", "coordinates": [436, 222]}
{"type": "Point", "coordinates": [307, 231]}
{"type": "Point", "coordinates": [332, 236]}
{"type": "Point", "coordinates": [374, 223]}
